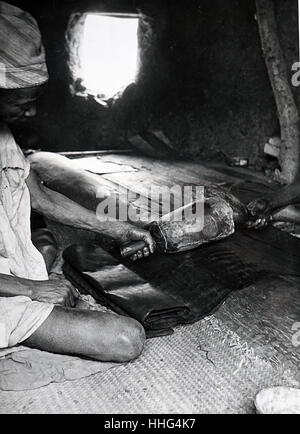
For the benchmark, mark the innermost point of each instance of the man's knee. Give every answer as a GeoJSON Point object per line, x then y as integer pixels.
{"type": "Point", "coordinates": [97, 335]}
{"type": "Point", "coordinates": [126, 340]}
{"type": "Point", "coordinates": [131, 339]}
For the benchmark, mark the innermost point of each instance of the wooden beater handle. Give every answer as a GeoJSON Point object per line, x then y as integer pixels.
{"type": "Point", "coordinates": [130, 249]}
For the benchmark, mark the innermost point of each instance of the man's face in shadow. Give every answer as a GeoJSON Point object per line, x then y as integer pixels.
{"type": "Point", "coordinates": [18, 105]}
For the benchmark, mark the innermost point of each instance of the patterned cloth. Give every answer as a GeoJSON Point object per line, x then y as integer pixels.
{"type": "Point", "coordinates": [22, 55]}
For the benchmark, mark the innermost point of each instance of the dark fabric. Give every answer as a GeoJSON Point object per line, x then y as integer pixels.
{"type": "Point", "coordinates": [37, 221]}
{"type": "Point", "coordinates": [163, 291]}
{"type": "Point", "coordinates": [271, 249]}
{"type": "Point", "coordinates": [45, 243]}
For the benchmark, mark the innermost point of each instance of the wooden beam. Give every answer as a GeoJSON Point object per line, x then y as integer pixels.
{"type": "Point", "coordinates": [286, 106]}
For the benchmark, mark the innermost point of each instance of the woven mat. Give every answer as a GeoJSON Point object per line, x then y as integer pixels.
{"type": "Point", "coordinates": [203, 368]}
{"type": "Point", "coordinates": [200, 369]}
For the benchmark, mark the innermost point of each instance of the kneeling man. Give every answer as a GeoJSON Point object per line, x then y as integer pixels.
{"type": "Point", "coordinates": [35, 311]}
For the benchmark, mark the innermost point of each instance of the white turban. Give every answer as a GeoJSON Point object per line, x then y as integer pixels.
{"type": "Point", "coordinates": [22, 55]}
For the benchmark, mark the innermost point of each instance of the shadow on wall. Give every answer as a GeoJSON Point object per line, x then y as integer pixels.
{"type": "Point", "coordinates": [203, 80]}
{"type": "Point", "coordinates": [73, 123]}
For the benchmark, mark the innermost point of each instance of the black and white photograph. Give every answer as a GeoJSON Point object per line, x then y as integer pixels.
{"type": "Point", "coordinates": [150, 210]}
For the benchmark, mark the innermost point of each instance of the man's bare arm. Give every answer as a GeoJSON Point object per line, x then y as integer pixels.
{"type": "Point", "coordinates": [57, 292]}
{"type": "Point", "coordinates": [289, 195]}
{"type": "Point", "coordinates": [11, 286]}
{"type": "Point", "coordinates": [289, 214]}
{"type": "Point", "coordinates": [59, 208]}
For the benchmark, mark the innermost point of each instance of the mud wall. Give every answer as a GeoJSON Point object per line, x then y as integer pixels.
{"type": "Point", "coordinates": [204, 83]}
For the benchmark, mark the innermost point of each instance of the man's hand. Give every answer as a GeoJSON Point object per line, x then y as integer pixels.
{"type": "Point", "coordinates": [260, 223]}
{"type": "Point", "coordinates": [133, 233]}
{"type": "Point", "coordinates": [258, 207]}
{"type": "Point", "coordinates": [260, 212]}
{"type": "Point", "coordinates": [56, 291]}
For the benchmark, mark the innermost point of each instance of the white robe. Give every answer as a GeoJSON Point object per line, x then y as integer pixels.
{"type": "Point", "coordinates": [18, 256]}
{"type": "Point", "coordinates": [20, 317]}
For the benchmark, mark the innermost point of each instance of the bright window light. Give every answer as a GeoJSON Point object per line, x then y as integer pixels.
{"type": "Point", "coordinates": [109, 54]}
